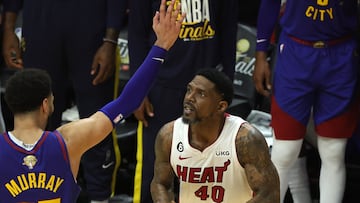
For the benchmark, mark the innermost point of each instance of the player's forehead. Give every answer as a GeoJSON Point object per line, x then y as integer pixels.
{"type": "Point", "coordinates": [201, 83]}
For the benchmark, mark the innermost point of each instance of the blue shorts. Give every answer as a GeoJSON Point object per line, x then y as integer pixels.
{"type": "Point", "coordinates": [317, 80]}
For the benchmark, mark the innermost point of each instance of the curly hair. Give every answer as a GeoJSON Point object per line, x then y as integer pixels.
{"type": "Point", "coordinates": [222, 82]}
{"type": "Point", "coordinates": [26, 89]}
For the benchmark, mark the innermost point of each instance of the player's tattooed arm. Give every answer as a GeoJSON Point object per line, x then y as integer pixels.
{"type": "Point", "coordinates": [253, 154]}
{"type": "Point", "coordinates": [162, 183]}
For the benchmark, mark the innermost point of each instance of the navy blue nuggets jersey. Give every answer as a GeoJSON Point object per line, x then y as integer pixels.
{"type": "Point", "coordinates": [42, 175]}
{"type": "Point", "coordinates": [320, 19]}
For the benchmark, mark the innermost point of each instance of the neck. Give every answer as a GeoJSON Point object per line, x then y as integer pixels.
{"type": "Point", "coordinates": [28, 127]}
{"type": "Point", "coordinates": [203, 134]}
{"type": "Point", "coordinates": [210, 124]}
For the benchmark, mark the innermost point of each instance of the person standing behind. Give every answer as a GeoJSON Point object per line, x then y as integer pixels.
{"type": "Point", "coordinates": [217, 157]}
{"type": "Point", "coordinates": [207, 39]}
{"type": "Point", "coordinates": [2, 66]}
{"type": "Point", "coordinates": [316, 71]}
{"type": "Point", "coordinates": [75, 42]}
{"type": "Point", "coordinates": [41, 166]}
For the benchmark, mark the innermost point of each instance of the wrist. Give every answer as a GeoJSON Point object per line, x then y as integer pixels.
{"type": "Point", "coordinates": [111, 41]}
{"type": "Point", "coordinates": [163, 45]}
{"type": "Point", "coordinates": [259, 55]}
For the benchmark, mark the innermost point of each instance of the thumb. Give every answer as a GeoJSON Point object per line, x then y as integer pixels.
{"type": "Point", "coordinates": [94, 67]}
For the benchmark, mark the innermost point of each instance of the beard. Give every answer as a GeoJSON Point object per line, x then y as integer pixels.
{"type": "Point", "coordinates": [194, 118]}
{"type": "Point", "coordinates": [187, 120]}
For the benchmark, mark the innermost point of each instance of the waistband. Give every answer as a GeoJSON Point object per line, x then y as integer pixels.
{"type": "Point", "coordinates": [321, 43]}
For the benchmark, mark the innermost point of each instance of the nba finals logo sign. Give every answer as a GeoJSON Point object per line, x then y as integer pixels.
{"type": "Point", "coordinates": [197, 23]}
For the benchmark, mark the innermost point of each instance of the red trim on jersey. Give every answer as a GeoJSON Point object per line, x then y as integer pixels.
{"type": "Point", "coordinates": [62, 145]}
{"type": "Point", "coordinates": [41, 141]}
{"type": "Point", "coordinates": [22, 150]}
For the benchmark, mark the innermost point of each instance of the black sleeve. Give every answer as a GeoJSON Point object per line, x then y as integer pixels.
{"type": "Point", "coordinates": [228, 29]}
{"type": "Point", "coordinates": [139, 31]}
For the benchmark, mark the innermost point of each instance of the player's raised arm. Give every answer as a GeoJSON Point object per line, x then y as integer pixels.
{"type": "Point", "coordinates": [85, 133]}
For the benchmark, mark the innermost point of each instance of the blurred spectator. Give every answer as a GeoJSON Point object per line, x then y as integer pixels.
{"type": "Point", "coordinates": [2, 123]}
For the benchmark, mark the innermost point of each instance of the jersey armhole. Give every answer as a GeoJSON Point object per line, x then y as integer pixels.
{"type": "Point", "coordinates": [62, 145]}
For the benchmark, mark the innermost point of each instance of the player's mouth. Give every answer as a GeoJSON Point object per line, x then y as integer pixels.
{"type": "Point", "coordinates": [188, 108]}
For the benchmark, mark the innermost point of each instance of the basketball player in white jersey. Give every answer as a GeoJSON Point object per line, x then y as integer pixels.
{"type": "Point", "coordinates": [217, 157]}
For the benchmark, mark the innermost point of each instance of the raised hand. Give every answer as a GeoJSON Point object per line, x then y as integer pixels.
{"type": "Point", "coordinates": [167, 23]}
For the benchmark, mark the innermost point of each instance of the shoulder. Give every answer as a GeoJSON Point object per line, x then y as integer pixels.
{"type": "Point", "coordinates": [249, 132]}
{"type": "Point", "coordinates": [249, 143]}
{"type": "Point", "coordinates": [165, 134]}
{"type": "Point", "coordinates": [163, 141]}
{"type": "Point", "coordinates": [167, 128]}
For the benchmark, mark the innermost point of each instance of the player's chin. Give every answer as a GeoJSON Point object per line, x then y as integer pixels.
{"type": "Point", "coordinates": [186, 119]}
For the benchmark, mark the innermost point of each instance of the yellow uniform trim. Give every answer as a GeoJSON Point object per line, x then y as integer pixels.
{"type": "Point", "coordinates": [139, 164]}
{"type": "Point", "coordinates": [114, 134]}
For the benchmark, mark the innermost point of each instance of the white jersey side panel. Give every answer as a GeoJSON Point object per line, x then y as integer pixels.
{"type": "Point", "coordinates": [214, 175]}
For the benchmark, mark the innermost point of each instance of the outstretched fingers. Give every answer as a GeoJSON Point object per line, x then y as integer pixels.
{"type": "Point", "coordinates": [162, 9]}
{"type": "Point", "coordinates": [175, 10]}
{"type": "Point", "coordinates": [167, 23]}
{"type": "Point", "coordinates": [169, 14]}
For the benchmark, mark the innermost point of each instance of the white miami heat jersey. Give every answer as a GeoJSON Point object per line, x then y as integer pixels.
{"type": "Point", "coordinates": [214, 175]}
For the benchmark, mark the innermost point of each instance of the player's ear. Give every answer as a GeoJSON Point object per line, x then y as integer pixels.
{"type": "Point", "coordinates": [45, 104]}
{"type": "Point", "coordinates": [222, 106]}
